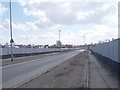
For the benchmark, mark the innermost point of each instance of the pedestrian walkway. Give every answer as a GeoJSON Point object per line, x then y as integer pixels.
{"type": "Point", "coordinates": [100, 75]}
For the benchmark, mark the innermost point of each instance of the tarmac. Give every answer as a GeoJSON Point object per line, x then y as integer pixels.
{"type": "Point", "coordinates": [81, 71]}
{"type": "Point", "coordinates": [8, 61]}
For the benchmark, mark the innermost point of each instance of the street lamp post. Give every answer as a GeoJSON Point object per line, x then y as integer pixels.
{"type": "Point", "coordinates": [11, 41]}
{"type": "Point", "coordinates": [59, 34]}
{"type": "Point", "coordinates": [59, 40]}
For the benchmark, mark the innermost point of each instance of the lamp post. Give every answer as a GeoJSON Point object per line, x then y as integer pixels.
{"type": "Point", "coordinates": [59, 41]}
{"type": "Point", "coordinates": [11, 41]}
{"type": "Point", "coordinates": [59, 34]}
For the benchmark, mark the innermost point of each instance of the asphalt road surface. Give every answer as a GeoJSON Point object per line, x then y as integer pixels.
{"type": "Point", "coordinates": [17, 74]}
{"type": "Point", "coordinates": [70, 74]}
{"type": "Point", "coordinates": [81, 71]}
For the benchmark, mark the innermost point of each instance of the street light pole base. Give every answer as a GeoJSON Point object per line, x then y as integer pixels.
{"type": "Point", "coordinates": [12, 60]}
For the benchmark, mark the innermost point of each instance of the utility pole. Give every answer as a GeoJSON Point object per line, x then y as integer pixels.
{"type": "Point", "coordinates": [11, 41]}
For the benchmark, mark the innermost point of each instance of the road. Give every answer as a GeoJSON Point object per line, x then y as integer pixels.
{"type": "Point", "coordinates": [70, 74]}
{"type": "Point", "coordinates": [81, 71]}
{"type": "Point", "coordinates": [17, 74]}
{"type": "Point", "coordinates": [25, 58]}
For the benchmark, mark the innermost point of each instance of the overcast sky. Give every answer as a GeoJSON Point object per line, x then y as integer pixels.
{"type": "Point", "coordinates": [38, 22]}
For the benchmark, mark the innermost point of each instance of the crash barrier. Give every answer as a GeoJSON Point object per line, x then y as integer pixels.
{"type": "Point", "coordinates": [109, 53]}
{"type": "Point", "coordinates": [20, 52]}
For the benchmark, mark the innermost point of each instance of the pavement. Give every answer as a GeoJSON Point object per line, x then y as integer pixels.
{"type": "Point", "coordinates": [100, 75]}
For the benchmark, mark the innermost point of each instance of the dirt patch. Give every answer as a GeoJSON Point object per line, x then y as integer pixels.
{"type": "Point", "coordinates": [70, 74]}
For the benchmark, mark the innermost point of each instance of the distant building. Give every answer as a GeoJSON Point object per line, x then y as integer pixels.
{"type": "Point", "coordinates": [68, 46]}
{"type": "Point", "coordinates": [6, 45]}
{"type": "Point", "coordinates": [58, 43]}
{"type": "Point", "coordinates": [46, 46]}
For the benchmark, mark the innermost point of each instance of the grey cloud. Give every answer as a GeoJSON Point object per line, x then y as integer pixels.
{"type": "Point", "coordinates": [41, 24]}
{"type": "Point", "coordinates": [57, 13]}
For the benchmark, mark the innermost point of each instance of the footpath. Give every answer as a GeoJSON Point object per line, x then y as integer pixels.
{"type": "Point", "coordinates": [100, 75]}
